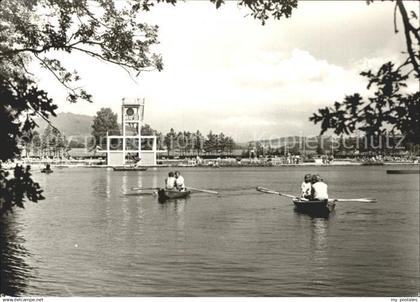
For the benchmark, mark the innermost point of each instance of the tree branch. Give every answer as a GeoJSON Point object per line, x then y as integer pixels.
{"type": "Point", "coordinates": [54, 74]}
{"type": "Point", "coordinates": [123, 65]}
{"type": "Point", "coordinates": [395, 19]}
{"type": "Point", "coordinates": [407, 30]}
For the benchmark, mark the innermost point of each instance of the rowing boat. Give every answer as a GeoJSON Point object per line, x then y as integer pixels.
{"type": "Point", "coordinates": [164, 194]}
{"type": "Point", "coordinates": [313, 206]}
{"type": "Point", "coordinates": [47, 171]}
{"type": "Point", "coordinates": [330, 200]}
{"type": "Point", "coordinates": [129, 168]}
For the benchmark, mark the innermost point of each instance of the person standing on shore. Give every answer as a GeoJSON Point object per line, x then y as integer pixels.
{"type": "Point", "coordinates": [319, 188]}
{"type": "Point", "coordinates": [179, 181]}
{"type": "Point", "coordinates": [306, 187]}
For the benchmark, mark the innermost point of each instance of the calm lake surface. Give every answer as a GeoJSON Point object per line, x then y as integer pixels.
{"type": "Point", "coordinates": [88, 238]}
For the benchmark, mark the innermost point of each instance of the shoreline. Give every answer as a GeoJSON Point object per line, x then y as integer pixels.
{"type": "Point", "coordinates": [98, 165]}
{"type": "Point", "coordinates": [337, 164]}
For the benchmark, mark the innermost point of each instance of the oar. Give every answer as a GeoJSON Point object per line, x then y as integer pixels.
{"type": "Point", "coordinates": [139, 189]}
{"type": "Point", "coordinates": [139, 194]}
{"type": "Point", "coordinates": [368, 200]}
{"type": "Point", "coordinates": [204, 191]}
{"type": "Point", "coordinates": [269, 191]}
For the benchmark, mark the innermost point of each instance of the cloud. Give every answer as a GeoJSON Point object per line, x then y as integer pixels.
{"type": "Point", "coordinates": [244, 121]}
{"type": "Point", "coordinates": [300, 67]}
{"type": "Point", "coordinates": [226, 72]}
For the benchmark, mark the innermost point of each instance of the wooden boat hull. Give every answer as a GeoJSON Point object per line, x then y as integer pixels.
{"type": "Point", "coordinates": [164, 195]}
{"type": "Point", "coordinates": [323, 207]}
{"type": "Point", "coordinates": [129, 168]}
{"type": "Point", "coordinates": [46, 171]}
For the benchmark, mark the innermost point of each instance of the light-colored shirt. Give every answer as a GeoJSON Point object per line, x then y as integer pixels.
{"type": "Point", "coordinates": [180, 183]}
{"type": "Point", "coordinates": [320, 190]}
{"type": "Point", "coordinates": [170, 183]}
{"type": "Point", "coordinates": [306, 188]}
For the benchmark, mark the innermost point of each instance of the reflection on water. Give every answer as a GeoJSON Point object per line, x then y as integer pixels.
{"type": "Point", "coordinates": [93, 237]}
{"type": "Point", "coordinates": [14, 273]}
{"type": "Point", "coordinates": [319, 240]}
{"type": "Point", "coordinates": [317, 227]}
{"type": "Point", "coordinates": [176, 208]}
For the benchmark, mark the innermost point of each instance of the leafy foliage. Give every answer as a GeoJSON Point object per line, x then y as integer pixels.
{"type": "Point", "coordinates": [186, 142]}
{"type": "Point", "coordinates": [104, 121]}
{"type": "Point", "coordinates": [263, 10]}
{"type": "Point", "coordinates": [110, 31]}
{"type": "Point", "coordinates": [13, 190]}
{"type": "Point", "coordinates": [197, 142]}
{"type": "Point", "coordinates": [148, 130]}
{"type": "Point", "coordinates": [21, 100]}
{"type": "Point", "coordinates": [392, 107]}
{"type": "Point", "coordinates": [211, 144]}
{"type": "Point", "coordinates": [53, 142]}
{"type": "Point", "coordinates": [260, 9]}
{"type": "Point", "coordinates": [388, 106]}
{"type": "Point", "coordinates": [101, 29]}
{"type": "Point", "coordinates": [29, 31]}
{"type": "Point", "coordinates": [169, 139]}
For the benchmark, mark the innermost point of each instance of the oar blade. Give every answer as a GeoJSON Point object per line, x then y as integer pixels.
{"type": "Point", "coordinates": [269, 191]}
{"type": "Point", "coordinates": [203, 190]}
{"type": "Point", "coordinates": [141, 189]}
{"type": "Point", "coordinates": [365, 200]}
{"type": "Point", "coordinates": [140, 194]}
{"type": "Point", "coordinates": [207, 191]}
{"type": "Point", "coordinates": [266, 190]}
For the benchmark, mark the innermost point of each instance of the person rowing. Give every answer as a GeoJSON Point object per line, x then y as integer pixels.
{"type": "Point", "coordinates": [170, 181]}
{"type": "Point", "coordinates": [306, 187]}
{"type": "Point", "coordinates": [47, 169]}
{"type": "Point", "coordinates": [179, 181]}
{"type": "Point", "coordinates": [319, 188]}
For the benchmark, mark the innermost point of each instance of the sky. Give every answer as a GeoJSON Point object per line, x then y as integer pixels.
{"type": "Point", "coordinates": [225, 72]}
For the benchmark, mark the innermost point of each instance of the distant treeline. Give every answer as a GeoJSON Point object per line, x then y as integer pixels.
{"type": "Point", "coordinates": [178, 143]}
{"type": "Point", "coordinates": [186, 143]}
{"type": "Point", "coordinates": [386, 144]}
{"type": "Point", "coordinates": [51, 143]}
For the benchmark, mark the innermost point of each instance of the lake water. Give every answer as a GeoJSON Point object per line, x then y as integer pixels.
{"type": "Point", "coordinates": [88, 238]}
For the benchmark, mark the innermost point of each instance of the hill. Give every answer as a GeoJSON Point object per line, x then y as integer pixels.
{"type": "Point", "coordinates": [69, 123]}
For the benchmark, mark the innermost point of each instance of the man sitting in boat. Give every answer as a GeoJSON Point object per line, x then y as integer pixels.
{"type": "Point", "coordinates": [306, 187]}
{"type": "Point", "coordinates": [47, 169]}
{"type": "Point", "coordinates": [170, 181]}
{"type": "Point", "coordinates": [179, 181]}
{"type": "Point", "coordinates": [319, 188]}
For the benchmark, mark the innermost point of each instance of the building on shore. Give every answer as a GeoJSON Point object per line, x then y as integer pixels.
{"type": "Point", "coordinates": [130, 147]}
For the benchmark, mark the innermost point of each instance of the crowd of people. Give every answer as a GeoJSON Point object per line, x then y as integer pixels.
{"type": "Point", "coordinates": [314, 188]}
